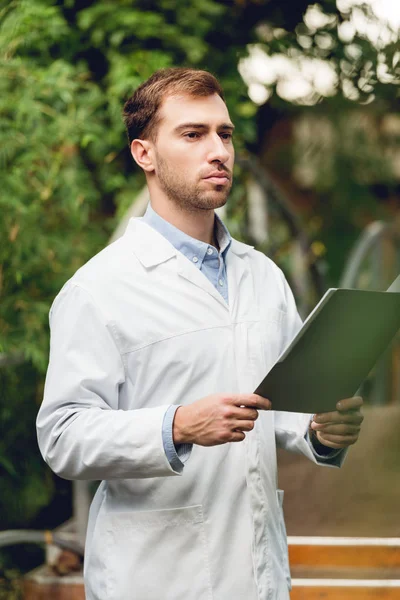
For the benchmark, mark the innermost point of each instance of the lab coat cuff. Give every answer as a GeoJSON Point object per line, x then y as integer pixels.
{"type": "Point", "coordinates": [177, 454]}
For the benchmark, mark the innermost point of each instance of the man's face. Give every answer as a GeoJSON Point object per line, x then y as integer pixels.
{"type": "Point", "coordinates": [194, 152]}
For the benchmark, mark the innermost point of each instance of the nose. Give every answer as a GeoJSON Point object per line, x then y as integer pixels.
{"type": "Point", "coordinates": [218, 150]}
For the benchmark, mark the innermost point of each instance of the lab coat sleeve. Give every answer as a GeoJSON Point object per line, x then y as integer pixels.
{"type": "Point", "coordinates": [291, 429]}
{"type": "Point", "coordinates": [82, 432]}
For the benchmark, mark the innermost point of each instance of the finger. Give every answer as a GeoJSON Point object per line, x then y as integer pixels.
{"type": "Point", "coordinates": [336, 428]}
{"type": "Point", "coordinates": [243, 426]}
{"type": "Point", "coordinates": [237, 436]}
{"type": "Point", "coordinates": [349, 404]}
{"type": "Point", "coordinates": [245, 414]}
{"type": "Point", "coordinates": [251, 401]}
{"type": "Point", "coordinates": [339, 441]}
{"type": "Point", "coordinates": [354, 417]}
{"type": "Point", "coordinates": [333, 445]}
{"type": "Point", "coordinates": [339, 419]}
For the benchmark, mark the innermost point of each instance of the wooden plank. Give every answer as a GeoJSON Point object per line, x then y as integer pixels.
{"type": "Point", "coordinates": [345, 556]}
{"type": "Point", "coordinates": [39, 591]}
{"type": "Point", "coordinates": [348, 572]}
{"type": "Point", "coordinates": [307, 593]}
{"type": "Point", "coordinates": [344, 552]}
{"type": "Point", "coordinates": [318, 589]}
{"type": "Point", "coordinates": [318, 540]}
{"type": "Point", "coordinates": [42, 584]}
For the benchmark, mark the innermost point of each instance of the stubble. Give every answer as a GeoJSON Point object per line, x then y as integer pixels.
{"type": "Point", "coordinates": [190, 196]}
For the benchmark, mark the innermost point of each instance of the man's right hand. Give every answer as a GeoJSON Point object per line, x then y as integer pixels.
{"type": "Point", "coordinates": [217, 419]}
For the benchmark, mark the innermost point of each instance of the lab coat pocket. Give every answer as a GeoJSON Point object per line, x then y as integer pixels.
{"type": "Point", "coordinates": [157, 554]}
{"type": "Point", "coordinates": [283, 537]}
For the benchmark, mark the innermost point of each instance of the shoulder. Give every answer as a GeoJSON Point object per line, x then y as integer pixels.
{"type": "Point", "coordinates": [102, 274]}
{"type": "Point", "coordinates": [103, 268]}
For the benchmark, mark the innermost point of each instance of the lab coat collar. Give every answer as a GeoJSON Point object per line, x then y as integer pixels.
{"type": "Point", "coordinates": [149, 246]}
{"type": "Point", "coordinates": [152, 248]}
{"type": "Point", "coordinates": [240, 248]}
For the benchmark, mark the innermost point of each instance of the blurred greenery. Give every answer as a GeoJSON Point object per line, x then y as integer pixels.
{"type": "Point", "coordinates": [10, 585]}
{"type": "Point", "coordinates": [67, 176]}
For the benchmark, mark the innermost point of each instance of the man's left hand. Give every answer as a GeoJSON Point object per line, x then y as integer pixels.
{"type": "Point", "coordinates": [340, 428]}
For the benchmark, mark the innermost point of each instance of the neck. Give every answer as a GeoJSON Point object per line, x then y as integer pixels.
{"type": "Point", "coordinates": [197, 224]}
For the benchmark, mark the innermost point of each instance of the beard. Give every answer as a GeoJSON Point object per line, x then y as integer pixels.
{"type": "Point", "coordinates": [189, 196]}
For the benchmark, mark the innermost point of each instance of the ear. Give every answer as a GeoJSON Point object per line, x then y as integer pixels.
{"type": "Point", "coordinates": [142, 153]}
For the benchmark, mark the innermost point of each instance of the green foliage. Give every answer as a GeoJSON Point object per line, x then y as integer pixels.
{"type": "Point", "coordinates": [25, 483]}
{"type": "Point", "coordinates": [49, 196]}
{"type": "Point", "coordinates": [10, 585]}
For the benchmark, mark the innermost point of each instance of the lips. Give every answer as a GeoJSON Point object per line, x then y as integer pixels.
{"type": "Point", "coordinates": [218, 177]}
{"type": "Point", "coordinates": [217, 174]}
{"type": "Point", "coordinates": [218, 180]}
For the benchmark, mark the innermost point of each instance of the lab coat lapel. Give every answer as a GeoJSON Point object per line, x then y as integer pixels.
{"type": "Point", "coordinates": [236, 272]}
{"type": "Point", "coordinates": [196, 277]}
{"type": "Point", "coordinates": [236, 269]}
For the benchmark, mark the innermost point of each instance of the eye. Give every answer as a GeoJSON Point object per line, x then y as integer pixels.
{"type": "Point", "coordinates": [226, 136]}
{"type": "Point", "coordinates": [192, 135]}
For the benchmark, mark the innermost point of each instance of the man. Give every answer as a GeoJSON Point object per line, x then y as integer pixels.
{"type": "Point", "coordinates": [156, 346]}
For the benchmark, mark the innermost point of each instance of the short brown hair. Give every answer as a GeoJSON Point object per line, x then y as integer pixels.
{"type": "Point", "coordinates": [141, 110]}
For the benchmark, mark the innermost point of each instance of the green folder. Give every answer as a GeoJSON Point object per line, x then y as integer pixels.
{"type": "Point", "coordinates": [336, 348]}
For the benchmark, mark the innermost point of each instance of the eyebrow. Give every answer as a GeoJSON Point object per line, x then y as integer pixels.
{"type": "Point", "coordinates": [204, 126]}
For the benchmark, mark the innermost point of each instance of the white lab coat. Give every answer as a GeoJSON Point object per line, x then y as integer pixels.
{"type": "Point", "coordinates": [139, 328]}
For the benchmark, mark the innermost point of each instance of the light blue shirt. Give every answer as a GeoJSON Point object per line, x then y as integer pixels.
{"type": "Point", "coordinates": [210, 261]}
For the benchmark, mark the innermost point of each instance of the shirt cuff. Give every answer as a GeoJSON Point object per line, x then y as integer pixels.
{"type": "Point", "coordinates": [328, 456]}
{"type": "Point", "coordinates": [177, 454]}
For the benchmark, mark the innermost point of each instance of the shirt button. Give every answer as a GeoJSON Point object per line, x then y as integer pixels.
{"type": "Point", "coordinates": [209, 251]}
{"type": "Point", "coordinates": [195, 259]}
{"type": "Point", "coordinates": [221, 282]}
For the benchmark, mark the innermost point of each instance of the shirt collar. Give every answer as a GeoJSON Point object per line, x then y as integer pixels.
{"type": "Point", "coordinates": [184, 243]}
